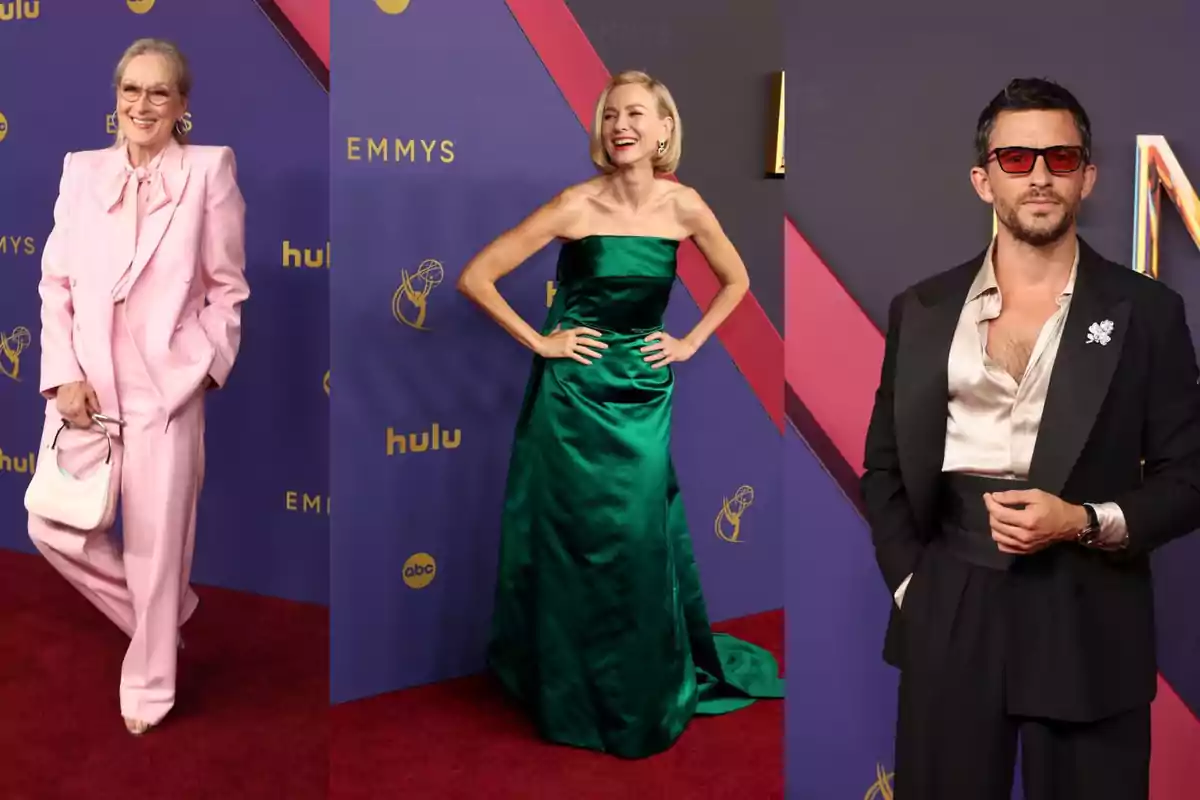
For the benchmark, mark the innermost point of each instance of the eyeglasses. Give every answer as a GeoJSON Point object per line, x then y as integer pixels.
{"type": "Point", "coordinates": [1060, 160]}
{"type": "Point", "coordinates": [132, 93]}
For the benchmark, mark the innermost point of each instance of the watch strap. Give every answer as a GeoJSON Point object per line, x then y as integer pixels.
{"type": "Point", "coordinates": [1087, 537]}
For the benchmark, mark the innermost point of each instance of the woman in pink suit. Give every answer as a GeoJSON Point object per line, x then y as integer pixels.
{"type": "Point", "coordinates": [142, 286]}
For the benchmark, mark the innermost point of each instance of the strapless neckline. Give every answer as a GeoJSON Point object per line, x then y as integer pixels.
{"type": "Point", "coordinates": [590, 236]}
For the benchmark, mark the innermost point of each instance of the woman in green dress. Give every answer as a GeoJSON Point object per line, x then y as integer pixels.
{"type": "Point", "coordinates": [600, 628]}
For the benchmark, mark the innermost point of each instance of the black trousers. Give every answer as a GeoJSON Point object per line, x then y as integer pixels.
{"type": "Point", "coordinates": [955, 738]}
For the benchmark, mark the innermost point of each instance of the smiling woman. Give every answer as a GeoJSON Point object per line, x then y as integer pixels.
{"type": "Point", "coordinates": [141, 315]}
{"type": "Point", "coordinates": [600, 626]}
{"type": "Point", "coordinates": [153, 83]}
{"type": "Point", "coordinates": [636, 118]}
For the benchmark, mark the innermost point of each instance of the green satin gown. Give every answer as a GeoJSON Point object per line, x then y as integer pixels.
{"type": "Point", "coordinates": [600, 629]}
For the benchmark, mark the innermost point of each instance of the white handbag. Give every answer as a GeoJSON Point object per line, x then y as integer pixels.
{"type": "Point", "coordinates": [86, 503]}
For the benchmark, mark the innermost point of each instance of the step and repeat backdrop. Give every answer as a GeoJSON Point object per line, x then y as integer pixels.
{"type": "Point", "coordinates": [263, 520]}
{"type": "Point", "coordinates": [450, 122]}
{"type": "Point", "coordinates": [882, 106]}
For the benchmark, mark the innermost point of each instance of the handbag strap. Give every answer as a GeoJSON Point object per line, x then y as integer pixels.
{"type": "Point", "coordinates": [99, 419]}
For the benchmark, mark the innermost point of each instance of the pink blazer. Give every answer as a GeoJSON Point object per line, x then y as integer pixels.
{"type": "Point", "coordinates": [187, 281]}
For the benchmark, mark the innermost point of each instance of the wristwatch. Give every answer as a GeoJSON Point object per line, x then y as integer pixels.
{"type": "Point", "coordinates": [1087, 537]}
{"type": "Point", "coordinates": [1090, 535]}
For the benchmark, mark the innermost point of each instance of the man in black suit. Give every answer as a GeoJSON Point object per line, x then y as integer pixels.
{"type": "Point", "coordinates": [1036, 434]}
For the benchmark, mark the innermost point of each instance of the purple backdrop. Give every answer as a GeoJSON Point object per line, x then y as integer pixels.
{"type": "Point", "coordinates": [515, 143]}
{"type": "Point", "coordinates": [267, 443]}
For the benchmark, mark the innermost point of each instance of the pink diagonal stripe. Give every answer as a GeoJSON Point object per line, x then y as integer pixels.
{"type": "Point", "coordinates": [311, 18]}
{"type": "Point", "coordinates": [1176, 736]}
{"type": "Point", "coordinates": [833, 349]}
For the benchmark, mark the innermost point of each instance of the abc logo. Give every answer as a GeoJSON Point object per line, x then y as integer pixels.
{"type": "Point", "coordinates": [419, 570]}
{"type": "Point", "coordinates": [392, 6]}
{"type": "Point", "coordinates": [3, 127]}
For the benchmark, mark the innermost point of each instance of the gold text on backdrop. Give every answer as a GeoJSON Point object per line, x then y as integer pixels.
{"type": "Point", "coordinates": [305, 503]}
{"type": "Point", "coordinates": [18, 246]}
{"type": "Point", "coordinates": [23, 466]}
{"type": "Point", "coordinates": [434, 439]}
{"type": "Point", "coordinates": [308, 257]}
{"type": "Point", "coordinates": [399, 150]}
{"type": "Point", "coordinates": [19, 10]}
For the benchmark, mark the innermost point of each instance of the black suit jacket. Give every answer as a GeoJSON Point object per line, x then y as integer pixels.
{"type": "Point", "coordinates": [1081, 622]}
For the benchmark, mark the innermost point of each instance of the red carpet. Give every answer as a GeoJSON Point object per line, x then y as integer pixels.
{"type": "Point", "coordinates": [462, 739]}
{"type": "Point", "coordinates": [251, 719]}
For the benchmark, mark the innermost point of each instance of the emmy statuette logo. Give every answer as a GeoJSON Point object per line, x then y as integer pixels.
{"type": "Point", "coordinates": [882, 788]}
{"type": "Point", "coordinates": [11, 346]}
{"type": "Point", "coordinates": [728, 524]}
{"type": "Point", "coordinates": [392, 7]}
{"type": "Point", "coordinates": [410, 302]}
{"type": "Point", "coordinates": [419, 570]}
{"type": "Point", "coordinates": [3, 127]}
{"type": "Point", "coordinates": [140, 6]}
{"type": "Point", "coordinates": [20, 9]}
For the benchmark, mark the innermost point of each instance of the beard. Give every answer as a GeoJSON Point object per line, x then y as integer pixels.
{"type": "Point", "coordinates": [1040, 235]}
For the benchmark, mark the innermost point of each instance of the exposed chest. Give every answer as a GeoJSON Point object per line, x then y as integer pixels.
{"type": "Point", "coordinates": [1014, 336]}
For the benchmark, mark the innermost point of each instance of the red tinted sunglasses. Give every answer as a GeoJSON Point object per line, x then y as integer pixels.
{"type": "Point", "coordinates": [1060, 160]}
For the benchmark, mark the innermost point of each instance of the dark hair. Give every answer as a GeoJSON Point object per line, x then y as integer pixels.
{"type": "Point", "coordinates": [1030, 94]}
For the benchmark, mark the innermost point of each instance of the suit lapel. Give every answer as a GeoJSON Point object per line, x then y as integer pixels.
{"type": "Point", "coordinates": [174, 172]}
{"type": "Point", "coordinates": [1083, 370]}
{"type": "Point", "coordinates": [922, 363]}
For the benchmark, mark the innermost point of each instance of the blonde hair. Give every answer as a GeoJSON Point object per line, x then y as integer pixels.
{"type": "Point", "coordinates": [179, 66]}
{"type": "Point", "coordinates": [664, 163]}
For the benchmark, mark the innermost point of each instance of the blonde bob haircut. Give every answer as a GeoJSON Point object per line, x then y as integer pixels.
{"type": "Point", "coordinates": [179, 68]}
{"type": "Point", "coordinates": [665, 163]}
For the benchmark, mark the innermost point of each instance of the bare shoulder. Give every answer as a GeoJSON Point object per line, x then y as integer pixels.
{"type": "Point", "coordinates": [690, 209]}
{"type": "Point", "coordinates": [567, 209]}
{"type": "Point", "coordinates": [579, 195]}
{"type": "Point", "coordinates": [686, 199]}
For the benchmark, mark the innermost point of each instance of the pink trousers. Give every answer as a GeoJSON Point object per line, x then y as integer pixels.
{"type": "Point", "coordinates": [143, 585]}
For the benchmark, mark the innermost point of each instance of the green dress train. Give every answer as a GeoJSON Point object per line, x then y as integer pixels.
{"type": "Point", "coordinates": [600, 629]}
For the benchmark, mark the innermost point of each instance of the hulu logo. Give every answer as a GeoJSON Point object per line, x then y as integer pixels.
{"type": "Point", "coordinates": [423, 441]}
{"type": "Point", "coordinates": [20, 9]}
{"type": "Point", "coordinates": [297, 257]}
{"type": "Point", "coordinates": [25, 465]}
